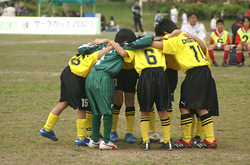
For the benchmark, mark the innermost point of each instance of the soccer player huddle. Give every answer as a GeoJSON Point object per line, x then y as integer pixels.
{"type": "Point", "coordinates": [97, 76]}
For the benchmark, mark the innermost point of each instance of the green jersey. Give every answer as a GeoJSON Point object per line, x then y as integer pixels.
{"type": "Point", "coordinates": [112, 62]}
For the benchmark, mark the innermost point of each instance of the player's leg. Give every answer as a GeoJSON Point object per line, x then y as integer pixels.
{"type": "Point", "coordinates": [211, 54]}
{"type": "Point", "coordinates": [239, 48]}
{"type": "Point", "coordinates": [135, 25]}
{"type": "Point", "coordinates": [89, 116]}
{"type": "Point", "coordinates": [153, 135]}
{"type": "Point", "coordinates": [81, 123]}
{"type": "Point", "coordinates": [207, 124]}
{"type": "Point", "coordinates": [165, 125]}
{"type": "Point", "coordinates": [226, 54]}
{"type": "Point", "coordinates": [140, 25]}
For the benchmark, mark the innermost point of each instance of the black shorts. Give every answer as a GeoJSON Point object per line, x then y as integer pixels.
{"type": "Point", "coordinates": [153, 88]}
{"type": "Point", "coordinates": [73, 90]}
{"type": "Point", "coordinates": [172, 81]}
{"type": "Point", "coordinates": [126, 80]}
{"type": "Point", "coordinates": [198, 91]}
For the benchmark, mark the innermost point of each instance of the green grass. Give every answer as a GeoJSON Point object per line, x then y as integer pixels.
{"type": "Point", "coordinates": [30, 66]}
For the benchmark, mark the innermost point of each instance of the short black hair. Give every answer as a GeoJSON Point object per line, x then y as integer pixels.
{"type": "Point", "coordinates": [192, 13]}
{"type": "Point", "coordinates": [125, 35]}
{"type": "Point", "coordinates": [165, 25]}
{"type": "Point", "coordinates": [248, 18]}
{"type": "Point", "coordinates": [219, 21]}
{"type": "Point", "coordinates": [240, 16]}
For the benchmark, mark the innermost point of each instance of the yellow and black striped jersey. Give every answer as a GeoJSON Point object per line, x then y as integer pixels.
{"type": "Point", "coordinates": [187, 52]}
{"type": "Point", "coordinates": [148, 57]}
{"type": "Point", "coordinates": [81, 65]}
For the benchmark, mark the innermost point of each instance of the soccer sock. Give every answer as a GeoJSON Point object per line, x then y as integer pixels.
{"type": "Point", "coordinates": [144, 128]}
{"type": "Point", "coordinates": [226, 53]}
{"type": "Point", "coordinates": [165, 125]}
{"type": "Point", "coordinates": [186, 123]}
{"type": "Point", "coordinates": [89, 124]}
{"type": "Point", "coordinates": [193, 125]}
{"type": "Point", "coordinates": [130, 118]}
{"type": "Point", "coordinates": [239, 54]}
{"type": "Point", "coordinates": [107, 124]}
{"type": "Point", "coordinates": [211, 54]}
{"type": "Point", "coordinates": [96, 123]}
{"type": "Point", "coordinates": [199, 129]}
{"type": "Point", "coordinates": [169, 112]}
{"type": "Point", "coordinates": [116, 112]}
{"type": "Point", "coordinates": [207, 124]}
{"type": "Point", "coordinates": [51, 121]}
{"type": "Point", "coordinates": [81, 128]}
{"type": "Point", "coordinates": [152, 121]}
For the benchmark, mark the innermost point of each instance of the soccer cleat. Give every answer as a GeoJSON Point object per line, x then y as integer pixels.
{"type": "Point", "coordinates": [93, 144]}
{"type": "Point", "coordinates": [154, 137]}
{"type": "Point", "coordinates": [215, 63]}
{"type": "Point", "coordinates": [48, 134]}
{"type": "Point", "coordinates": [114, 137]}
{"type": "Point", "coordinates": [167, 146]}
{"type": "Point", "coordinates": [84, 142]}
{"type": "Point", "coordinates": [129, 138]}
{"type": "Point", "coordinates": [240, 64]}
{"type": "Point", "coordinates": [196, 140]}
{"type": "Point", "coordinates": [207, 144]}
{"type": "Point", "coordinates": [225, 64]}
{"type": "Point", "coordinates": [182, 144]}
{"type": "Point", "coordinates": [109, 146]}
{"type": "Point", "coordinates": [145, 146]}
{"type": "Point", "coordinates": [161, 139]}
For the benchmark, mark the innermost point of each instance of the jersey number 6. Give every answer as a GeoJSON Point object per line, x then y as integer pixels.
{"type": "Point", "coordinates": [150, 57]}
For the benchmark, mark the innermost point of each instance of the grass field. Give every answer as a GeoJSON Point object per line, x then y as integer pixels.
{"type": "Point", "coordinates": [30, 66]}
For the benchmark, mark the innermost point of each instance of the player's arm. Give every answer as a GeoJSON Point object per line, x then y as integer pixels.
{"type": "Point", "coordinates": [237, 39]}
{"type": "Point", "coordinates": [198, 40]}
{"type": "Point", "coordinates": [118, 48]}
{"type": "Point", "coordinates": [139, 43]}
{"type": "Point", "coordinates": [89, 49]}
{"type": "Point", "coordinates": [157, 45]}
{"type": "Point", "coordinates": [104, 51]}
{"type": "Point", "coordinates": [174, 33]}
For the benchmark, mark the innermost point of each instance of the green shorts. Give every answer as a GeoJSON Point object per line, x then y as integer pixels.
{"type": "Point", "coordinates": [100, 90]}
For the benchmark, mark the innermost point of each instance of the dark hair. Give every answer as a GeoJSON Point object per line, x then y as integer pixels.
{"type": "Point", "coordinates": [158, 11]}
{"type": "Point", "coordinates": [192, 13]}
{"type": "Point", "coordinates": [240, 16]}
{"type": "Point", "coordinates": [165, 25]}
{"type": "Point", "coordinates": [125, 35]}
{"type": "Point", "coordinates": [219, 21]}
{"type": "Point", "coordinates": [183, 10]}
{"type": "Point", "coordinates": [248, 18]}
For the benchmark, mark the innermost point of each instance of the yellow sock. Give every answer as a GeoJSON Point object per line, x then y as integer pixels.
{"type": "Point", "coordinates": [89, 123]}
{"type": "Point", "coordinates": [81, 128]}
{"type": "Point", "coordinates": [193, 125]}
{"type": "Point", "coordinates": [130, 118]}
{"type": "Point", "coordinates": [170, 112]}
{"type": "Point", "coordinates": [207, 124]}
{"type": "Point", "coordinates": [165, 125]}
{"type": "Point", "coordinates": [116, 112]}
{"type": "Point", "coordinates": [144, 128]}
{"type": "Point", "coordinates": [186, 123]}
{"type": "Point", "coordinates": [199, 129]}
{"type": "Point", "coordinates": [51, 121]}
{"type": "Point", "coordinates": [152, 121]}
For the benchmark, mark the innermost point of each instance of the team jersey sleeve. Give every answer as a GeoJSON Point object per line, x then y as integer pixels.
{"type": "Point", "coordinates": [131, 56]}
{"type": "Point", "coordinates": [211, 41]}
{"type": "Point", "coordinates": [94, 56]}
{"type": "Point", "coordinates": [237, 39]}
{"type": "Point", "coordinates": [88, 49]}
{"type": "Point", "coordinates": [170, 46]}
{"type": "Point", "coordinates": [139, 44]}
{"type": "Point", "coordinates": [228, 39]}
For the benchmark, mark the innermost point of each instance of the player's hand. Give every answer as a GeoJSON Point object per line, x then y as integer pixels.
{"type": "Point", "coordinates": [93, 43]}
{"type": "Point", "coordinates": [110, 43]}
{"type": "Point", "coordinates": [188, 35]}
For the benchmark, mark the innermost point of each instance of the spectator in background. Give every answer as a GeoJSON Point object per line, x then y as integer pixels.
{"type": "Point", "coordinates": [112, 24]}
{"type": "Point", "coordinates": [136, 9]}
{"type": "Point", "coordinates": [23, 9]}
{"type": "Point", "coordinates": [17, 7]}
{"type": "Point", "coordinates": [55, 14]}
{"type": "Point", "coordinates": [213, 22]}
{"type": "Point", "coordinates": [248, 12]}
{"type": "Point", "coordinates": [78, 14]}
{"type": "Point", "coordinates": [237, 25]}
{"type": "Point", "coordinates": [67, 14]}
{"type": "Point", "coordinates": [194, 27]}
{"type": "Point", "coordinates": [158, 17]}
{"type": "Point", "coordinates": [174, 15]}
{"type": "Point", "coordinates": [103, 22]}
{"type": "Point", "coordinates": [183, 17]}
{"type": "Point", "coordinates": [9, 11]}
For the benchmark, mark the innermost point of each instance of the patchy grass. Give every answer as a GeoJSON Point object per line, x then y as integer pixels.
{"type": "Point", "coordinates": [30, 66]}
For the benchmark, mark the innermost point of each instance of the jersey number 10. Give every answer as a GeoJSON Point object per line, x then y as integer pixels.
{"type": "Point", "coordinates": [196, 54]}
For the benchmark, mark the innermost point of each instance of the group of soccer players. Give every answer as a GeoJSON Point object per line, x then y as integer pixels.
{"type": "Point", "coordinates": [88, 79]}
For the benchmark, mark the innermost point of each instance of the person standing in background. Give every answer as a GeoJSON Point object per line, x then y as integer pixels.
{"type": "Point", "coordinates": [183, 17]}
{"type": "Point", "coordinates": [158, 17]}
{"type": "Point", "coordinates": [136, 9]}
{"type": "Point", "coordinates": [174, 15]}
{"type": "Point", "coordinates": [9, 11]}
{"type": "Point", "coordinates": [213, 22]}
